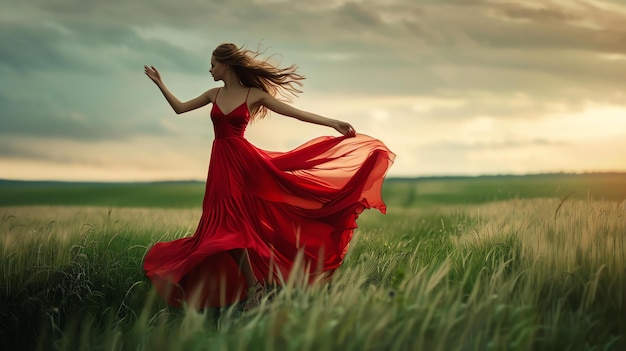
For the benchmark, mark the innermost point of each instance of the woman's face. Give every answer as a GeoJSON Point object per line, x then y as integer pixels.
{"type": "Point", "coordinates": [218, 69]}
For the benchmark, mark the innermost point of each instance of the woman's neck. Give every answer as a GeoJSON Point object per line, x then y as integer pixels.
{"type": "Point", "coordinates": [231, 81]}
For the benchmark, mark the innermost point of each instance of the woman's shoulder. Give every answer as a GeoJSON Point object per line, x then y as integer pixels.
{"type": "Point", "coordinates": [256, 93]}
{"type": "Point", "coordinates": [212, 93]}
{"type": "Point", "coordinates": [254, 90]}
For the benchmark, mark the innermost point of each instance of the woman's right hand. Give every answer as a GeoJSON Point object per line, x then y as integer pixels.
{"type": "Point", "coordinates": [152, 73]}
{"type": "Point", "coordinates": [345, 128]}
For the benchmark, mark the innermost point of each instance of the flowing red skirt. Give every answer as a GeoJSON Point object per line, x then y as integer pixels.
{"type": "Point", "coordinates": [277, 205]}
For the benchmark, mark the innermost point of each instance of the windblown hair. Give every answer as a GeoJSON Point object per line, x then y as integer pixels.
{"type": "Point", "coordinates": [261, 74]}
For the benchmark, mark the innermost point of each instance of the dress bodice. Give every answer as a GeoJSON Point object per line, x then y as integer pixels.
{"type": "Point", "coordinates": [232, 124]}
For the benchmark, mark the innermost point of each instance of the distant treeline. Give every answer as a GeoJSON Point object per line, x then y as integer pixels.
{"type": "Point", "coordinates": [397, 191]}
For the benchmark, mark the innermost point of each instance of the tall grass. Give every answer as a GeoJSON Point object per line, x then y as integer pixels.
{"type": "Point", "coordinates": [517, 275]}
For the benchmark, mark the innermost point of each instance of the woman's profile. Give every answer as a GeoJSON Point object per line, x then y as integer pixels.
{"type": "Point", "coordinates": [262, 211]}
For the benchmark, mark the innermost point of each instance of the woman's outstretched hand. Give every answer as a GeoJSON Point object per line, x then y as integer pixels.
{"type": "Point", "coordinates": [152, 73]}
{"type": "Point", "coordinates": [345, 129]}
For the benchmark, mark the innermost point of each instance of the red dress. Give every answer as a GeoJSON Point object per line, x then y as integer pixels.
{"type": "Point", "coordinates": [274, 204]}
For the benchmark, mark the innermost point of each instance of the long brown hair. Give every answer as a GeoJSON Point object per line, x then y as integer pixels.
{"type": "Point", "coordinates": [255, 73]}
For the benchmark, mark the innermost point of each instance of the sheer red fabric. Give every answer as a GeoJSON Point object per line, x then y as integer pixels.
{"type": "Point", "coordinates": [275, 205]}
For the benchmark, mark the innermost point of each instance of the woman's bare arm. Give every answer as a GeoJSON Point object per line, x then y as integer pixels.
{"type": "Point", "coordinates": [267, 100]}
{"type": "Point", "coordinates": [178, 106]}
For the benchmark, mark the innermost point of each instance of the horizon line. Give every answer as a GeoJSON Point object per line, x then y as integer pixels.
{"type": "Point", "coordinates": [388, 178]}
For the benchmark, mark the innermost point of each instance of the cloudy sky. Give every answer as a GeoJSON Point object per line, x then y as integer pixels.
{"type": "Point", "coordinates": [457, 87]}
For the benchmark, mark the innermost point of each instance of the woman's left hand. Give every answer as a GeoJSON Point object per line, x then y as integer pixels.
{"type": "Point", "coordinates": [346, 129]}
{"type": "Point", "coordinates": [153, 74]}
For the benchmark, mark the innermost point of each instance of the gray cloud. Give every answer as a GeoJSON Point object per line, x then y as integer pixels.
{"type": "Point", "coordinates": [493, 145]}
{"type": "Point", "coordinates": [44, 118]}
{"type": "Point", "coordinates": [29, 47]}
{"type": "Point", "coordinates": [521, 11]}
{"type": "Point", "coordinates": [425, 47]}
{"type": "Point", "coordinates": [579, 26]}
{"type": "Point", "coordinates": [73, 69]}
{"type": "Point", "coordinates": [12, 151]}
{"type": "Point", "coordinates": [86, 48]}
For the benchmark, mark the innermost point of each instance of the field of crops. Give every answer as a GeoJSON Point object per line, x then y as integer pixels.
{"type": "Point", "coordinates": [490, 263]}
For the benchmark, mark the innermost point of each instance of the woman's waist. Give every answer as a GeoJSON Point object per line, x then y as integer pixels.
{"type": "Point", "coordinates": [229, 136]}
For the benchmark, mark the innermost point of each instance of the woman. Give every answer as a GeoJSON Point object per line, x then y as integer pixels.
{"type": "Point", "coordinates": [263, 211]}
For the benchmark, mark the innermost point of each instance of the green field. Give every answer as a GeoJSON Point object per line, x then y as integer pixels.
{"type": "Point", "coordinates": [485, 263]}
{"type": "Point", "coordinates": [420, 192]}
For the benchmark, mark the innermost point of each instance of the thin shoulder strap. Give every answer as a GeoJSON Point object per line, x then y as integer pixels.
{"type": "Point", "coordinates": [216, 95]}
{"type": "Point", "coordinates": [248, 94]}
